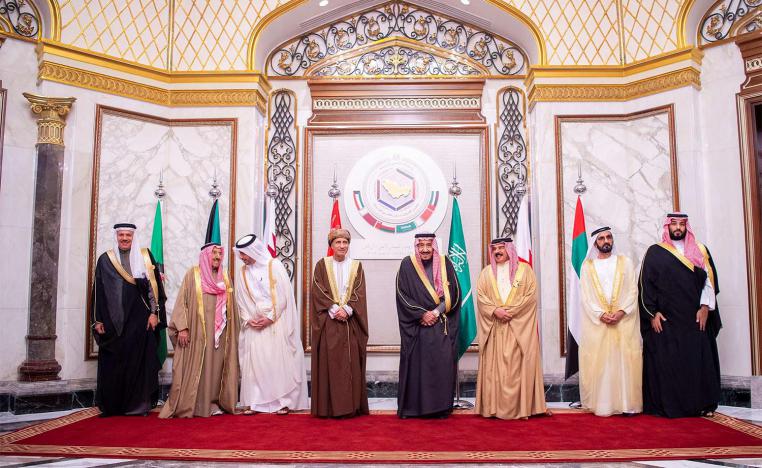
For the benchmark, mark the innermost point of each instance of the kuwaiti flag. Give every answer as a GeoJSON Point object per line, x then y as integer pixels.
{"type": "Point", "coordinates": [574, 304]}
{"type": "Point", "coordinates": [157, 249]}
{"type": "Point", "coordinates": [268, 233]}
{"type": "Point", "coordinates": [459, 258]}
{"type": "Point", "coordinates": [213, 225]}
{"type": "Point", "coordinates": [523, 240]}
{"type": "Point", "coordinates": [335, 221]}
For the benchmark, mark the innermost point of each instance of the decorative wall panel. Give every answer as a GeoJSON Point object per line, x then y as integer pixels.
{"type": "Point", "coordinates": [511, 158]}
{"type": "Point", "coordinates": [281, 171]}
{"type": "Point", "coordinates": [629, 165]}
{"type": "Point", "coordinates": [728, 18]}
{"type": "Point", "coordinates": [397, 19]}
{"type": "Point", "coordinates": [20, 17]}
{"type": "Point", "coordinates": [649, 28]}
{"type": "Point", "coordinates": [131, 152]}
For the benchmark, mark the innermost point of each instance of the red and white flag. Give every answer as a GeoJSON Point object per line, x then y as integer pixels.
{"type": "Point", "coordinates": [268, 233]}
{"type": "Point", "coordinates": [523, 240]}
{"type": "Point", "coordinates": [335, 221]}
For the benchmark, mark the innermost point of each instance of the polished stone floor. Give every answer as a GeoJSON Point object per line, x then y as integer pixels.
{"type": "Point", "coordinates": [752, 415]}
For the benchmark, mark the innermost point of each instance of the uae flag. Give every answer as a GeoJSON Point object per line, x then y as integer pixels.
{"type": "Point", "coordinates": [335, 222]}
{"type": "Point", "coordinates": [457, 252]}
{"type": "Point", "coordinates": [574, 303]}
{"type": "Point", "coordinates": [213, 226]}
{"type": "Point", "coordinates": [157, 249]}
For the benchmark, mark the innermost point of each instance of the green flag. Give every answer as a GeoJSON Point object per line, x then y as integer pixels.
{"type": "Point", "coordinates": [157, 249]}
{"type": "Point", "coordinates": [457, 252]}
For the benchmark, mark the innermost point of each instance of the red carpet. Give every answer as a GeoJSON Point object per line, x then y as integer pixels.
{"type": "Point", "coordinates": [463, 438]}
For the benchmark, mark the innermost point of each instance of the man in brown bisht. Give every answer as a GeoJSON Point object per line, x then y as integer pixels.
{"type": "Point", "coordinates": [509, 383]}
{"type": "Point", "coordinates": [204, 333]}
{"type": "Point", "coordinates": [339, 322]}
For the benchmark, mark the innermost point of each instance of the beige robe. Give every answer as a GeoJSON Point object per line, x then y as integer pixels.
{"type": "Point", "coordinates": [610, 356]}
{"type": "Point", "coordinates": [509, 383]}
{"type": "Point", "coordinates": [203, 377]}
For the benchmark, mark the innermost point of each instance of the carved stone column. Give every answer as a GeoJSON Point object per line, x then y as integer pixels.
{"type": "Point", "coordinates": [40, 363]}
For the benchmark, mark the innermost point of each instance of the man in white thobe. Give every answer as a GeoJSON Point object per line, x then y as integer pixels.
{"type": "Point", "coordinates": [610, 351]}
{"type": "Point", "coordinates": [273, 375]}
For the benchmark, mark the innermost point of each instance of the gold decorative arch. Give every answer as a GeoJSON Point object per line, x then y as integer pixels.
{"type": "Point", "coordinates": [54, 9]}
{"type": "Point", "coordinates": [682, 22]}
{"type": "Point", "coordinates": [263, 23]}
{"type": "Point", "coordinates": [519, 15]}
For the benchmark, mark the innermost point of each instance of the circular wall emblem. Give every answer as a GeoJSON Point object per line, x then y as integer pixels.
{"type": "Point", "coordinates": [395, 190]}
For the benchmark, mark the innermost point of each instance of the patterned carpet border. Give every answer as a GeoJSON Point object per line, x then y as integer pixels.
{"type": "Point", "coordinates": [8, 446]}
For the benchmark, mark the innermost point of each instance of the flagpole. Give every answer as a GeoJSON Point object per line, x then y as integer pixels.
{"type": "Point", "coordinates": [455, 191]}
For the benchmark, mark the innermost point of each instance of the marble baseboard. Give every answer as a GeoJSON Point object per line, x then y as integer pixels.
{"type": "Point", "coordinates": [40, 397]}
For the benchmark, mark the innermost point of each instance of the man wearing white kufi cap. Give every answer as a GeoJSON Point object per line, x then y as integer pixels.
{"type": "Point", "coordinates": [273, 375]}
{"type": "Point", "coordinates": [128, 313]}
{"type": "Point", "coordinates": [610, 350]}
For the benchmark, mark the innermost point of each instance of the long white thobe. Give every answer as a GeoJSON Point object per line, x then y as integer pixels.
{"type": "Point", "coordinates": [273, 375]}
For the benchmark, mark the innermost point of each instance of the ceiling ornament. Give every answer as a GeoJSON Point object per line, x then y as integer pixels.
{"type": "Point", "coordinates": [466, 46]}
{"type": "Point", "coordinates": [22, 17]}
{"type": "Point", "coordinates": [728, 18]}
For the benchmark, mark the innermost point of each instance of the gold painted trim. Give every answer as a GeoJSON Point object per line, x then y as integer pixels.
{"type": "Point", "coordinates": [263, 23]}
{"type": "Point", "coordinates": [55, 19]}
{"type": "Point", "coordinates": [49, 71]}
{"type": "Point", "coordinates": [615, 92]}
{"type": "Point", "coordinates": [535, 30]}
{"type": "Point", "coordinates": [171, 38]}
{"type": "Point", "coordinates": [682, 22]}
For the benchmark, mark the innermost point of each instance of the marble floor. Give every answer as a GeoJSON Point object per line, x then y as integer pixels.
{"type": "Point", "coordinates": [747, 414]}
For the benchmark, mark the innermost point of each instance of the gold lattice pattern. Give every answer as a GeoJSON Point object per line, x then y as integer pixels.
{"type": "Point", "coordinates": [577, 32]}
{"type": "Point", "coordinates": [134, 30]}
{"type": "Point", "coordinates": [650, 27]}
{"type": "Point", "coordinates": [214, 35]}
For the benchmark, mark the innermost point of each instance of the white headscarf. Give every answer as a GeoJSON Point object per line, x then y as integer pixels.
{"type": "Point", "coordinates": [137, 264]}
{"type": "Point", "coordinates": [255, 249]}
{"type": "Point", "coordinates": [592, 250]}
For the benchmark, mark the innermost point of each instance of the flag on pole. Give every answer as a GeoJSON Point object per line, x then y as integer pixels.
{"type": "Point", "coordinates": [523, 237]}
{"type": "Point", "coordinates": [213, 226]}
{"type": "Point", "coordinates": [268, 232]}
{"type": "Point", "coordinates": [574, 304]}
{"type": "Point", "coordinates": [457, 252]}
{"type": "Point", "coordinates": [157, 249]}
{"type": "Point", "coordinates": [335, 221]}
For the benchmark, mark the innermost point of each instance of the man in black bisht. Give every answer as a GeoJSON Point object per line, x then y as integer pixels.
{"type": "Point", "coordinates": [428, 302]}
{"type": "Point", "coordinates": [679, 321]}
{"type": "Point", "coordinates": [128, 314]}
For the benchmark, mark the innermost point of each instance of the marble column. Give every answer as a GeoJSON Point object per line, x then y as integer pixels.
{"type": "Point", "coordinates": [40, 363]}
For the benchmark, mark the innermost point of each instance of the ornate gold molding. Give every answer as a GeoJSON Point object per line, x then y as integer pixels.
{"type": "Point", "coordinates": [615, 92]}
{"type": "Point", "coordinates": [395, 103]}
{"type": "Point", "coordinates": [51, 71]}
{"type": "Point", "coordinates": [52, 111]}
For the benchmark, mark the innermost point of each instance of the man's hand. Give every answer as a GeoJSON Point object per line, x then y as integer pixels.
{"type": "Point", "coordinates": [429, 318]}
{"type": "Point", "coordinates": [183, 338]}
{"type": "Point", "coordinates": [613, 318]}
{"type": "Point", "coordinates": [153, 320]}
{"type": "Point", "coordinates": [341, 315]}
{"type": "Point", "coordinates": [260, 322]}
{"type": "Point", "coordinates": [502, 315]}
{"type": "Point", "coordinates": [99, 328]}
{"type": "Point", "coordinates": [656, 322]}
{"type": "Point", "coordinates": [701, 316]}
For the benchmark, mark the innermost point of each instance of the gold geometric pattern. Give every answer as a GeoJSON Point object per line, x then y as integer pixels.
{"type": "Point", "coordinates": [213, 35]}
{"type": "Point", "coordinates": [577, 32]}
{"type": "Point", "coordinates": [650, 27]}
{"type": "Point", "coordinates": [134, 30]}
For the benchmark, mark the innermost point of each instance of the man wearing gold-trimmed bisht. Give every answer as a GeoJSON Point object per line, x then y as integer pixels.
{"type": "Point", "coordinates": [509, 382]}
{"type": "Point", "coordinates": [204, 333]}
{"type": "Point", "coordinates": [428, 304]}
{"type": "Point", "coordinates": [128, 313]}
{"type": "Point", "coordinates": [610, 349]}
{"type": "Point", "coordinates": [339, 323]}
{"type": "Point", "coordinates": [273, 375]}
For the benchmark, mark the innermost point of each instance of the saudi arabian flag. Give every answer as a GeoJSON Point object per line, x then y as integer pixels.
{"type": "Point", "coordinates": [457, 252]}
{"type": "Point", "coordinates": [574, 303]}
{"type": "Point", "coordinates": [157, 249]}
